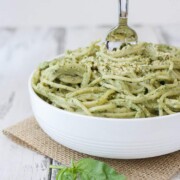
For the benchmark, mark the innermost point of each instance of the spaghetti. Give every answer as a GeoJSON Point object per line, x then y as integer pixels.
{"type": "Point", "coordinates": [136, 81]}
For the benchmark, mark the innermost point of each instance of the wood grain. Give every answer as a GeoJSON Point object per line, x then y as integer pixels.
{"type": "Point", "coordinates": [21, 50]}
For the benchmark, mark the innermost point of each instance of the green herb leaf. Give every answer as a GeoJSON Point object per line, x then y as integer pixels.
{"type": "Point", "coordinates": [91, 169]}
{"type": "Point", "coordinates": [87, 169]}
{"type": "Point", "coordinates": [66, 174]}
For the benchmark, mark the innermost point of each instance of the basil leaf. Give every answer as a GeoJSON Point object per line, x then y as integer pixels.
{"type": "Point", "coordinates": [66, 174]}
{"type": "Point", "coordinates": [87, 169]}
{"type": "Point", "coordinates": [90, 169]}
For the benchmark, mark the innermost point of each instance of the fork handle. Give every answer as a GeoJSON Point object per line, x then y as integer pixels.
{"type": "Point", "coordinates": [123, 6]}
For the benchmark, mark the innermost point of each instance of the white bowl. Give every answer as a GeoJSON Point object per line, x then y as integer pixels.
{"type": "Point", "coordinates": [108, 137]}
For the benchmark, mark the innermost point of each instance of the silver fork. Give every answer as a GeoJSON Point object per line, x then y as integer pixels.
{"type": "Point", "coordinates": [121, 34]}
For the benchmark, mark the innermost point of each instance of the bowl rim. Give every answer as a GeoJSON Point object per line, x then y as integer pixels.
{"type": "Point", "coordinates": [31, 90]}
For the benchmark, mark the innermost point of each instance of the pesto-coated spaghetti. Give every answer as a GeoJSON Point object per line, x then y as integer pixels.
{"type": "Point", "coordinates": [140, 80]}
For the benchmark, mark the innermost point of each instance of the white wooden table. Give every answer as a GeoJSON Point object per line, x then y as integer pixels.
{"type": "Point", "coordinates": [21, 50]}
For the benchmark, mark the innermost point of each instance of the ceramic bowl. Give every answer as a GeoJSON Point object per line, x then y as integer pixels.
{"type": "Point", "coordinates": [108, 137]}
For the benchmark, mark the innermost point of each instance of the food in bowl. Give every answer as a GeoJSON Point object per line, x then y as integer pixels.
{"type": "Point", "coordinates": [117, 138]}
{"type": "Point", "coordinates": [136, 81]}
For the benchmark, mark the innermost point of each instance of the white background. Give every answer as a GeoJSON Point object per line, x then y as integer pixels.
{"type": "Point", "coordinates": [85, 12]}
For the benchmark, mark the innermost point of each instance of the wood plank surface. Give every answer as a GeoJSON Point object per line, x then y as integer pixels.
{"type": "Point", "coordinates": [21, 50]}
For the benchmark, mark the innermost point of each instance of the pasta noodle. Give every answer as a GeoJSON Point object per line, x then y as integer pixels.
{"type": "Point", "coordinates": [135, 81]}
